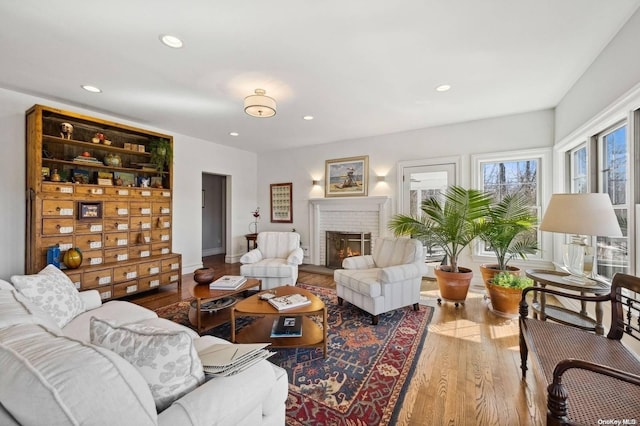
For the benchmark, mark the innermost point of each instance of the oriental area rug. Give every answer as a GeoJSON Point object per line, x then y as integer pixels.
{"type": "Point", "coordinates": [363, 379]}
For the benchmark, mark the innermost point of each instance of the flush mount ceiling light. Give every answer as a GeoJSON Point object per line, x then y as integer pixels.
{"type": "Point", "coordinates": [171, 41]}
{"type": "Point", "coordinates": [92, 89]}
{"type": "Point", "coordinates": [259, 105]}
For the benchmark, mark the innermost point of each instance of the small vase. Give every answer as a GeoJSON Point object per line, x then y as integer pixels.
{"type": "Point", "coordinates": [203, 275]}
{"type": "Point", "coordinates": [253, 227]}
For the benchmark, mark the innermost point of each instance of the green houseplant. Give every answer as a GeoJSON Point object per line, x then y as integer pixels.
{"type": "Point", "coordinates": [505, 291]}
{"type": "Point", "coordinates": [451, 224]}
{"type": "Point", "coordinates": [508, 229]}
{"type": "Point", "coordinates": [161, 153]}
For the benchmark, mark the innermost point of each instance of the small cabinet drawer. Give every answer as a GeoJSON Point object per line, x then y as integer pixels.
{"type": "Point", "coordinates": [57, 226]}
{"type": "Point", "coordinates": [89, 242]}
{"type": "Point", "coordinates": [140, 209]}
{"type": "Point", "coordinates": [124, 273]}
{"type": "Point", "coordinates": [121, 224]}
{"type": "Point", "coordinates": [143, 192]}
{"type": "Point", "coordinates": [171, 264]}
{"type": "Point", "coordinates": [93, 227]}
{"type": "Point", "coordinates": [116, 209]}
{"type": "Point", "coordinates": [117, 191]}
{"type": "Point", "coordinates": [97, 278]}
{"type": "Point", "coordinates": [162, 222]}
{"type": "Point", "coordinates": [140, 223]}
{"type": "Point", "coordinates": [57, 188]}
{"type": "Point", "coordinates": [140, 251]}
{"type": "Point", "coordinates": [76, 278]}
{"type": "Point", "coordinates": [161, 208]}
{"type": "Point", "coordinates": [116, 239]}
{"type": "Point", "coordinates": [125, 288]}
{"type": "Point", "coordinates": [64, 242]}
{"type": "Point", "coordinates": [160, 235]}
{"type": "Point", "coordinates": [160, 248]}
{"type": "Point", "coordinates": [106, 292]}
{"type": "Point", "coordinates": [92, 257]}
{"type": "Point", "coordinates": [170, 278]}
{"type": "Point", "coordinates": [147, 283]}
{"type": "Point", "coordinates": [149, 268]}
{"type": "Point", "coordinates": [58, 208]}
{"type": "Point", "coordinates": [90, 190]}
{"type": "Point", "coordinates": [116, 255]}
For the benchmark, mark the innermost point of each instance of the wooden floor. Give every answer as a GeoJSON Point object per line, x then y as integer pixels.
{"type": "Point", "coordinates": [468, 372]}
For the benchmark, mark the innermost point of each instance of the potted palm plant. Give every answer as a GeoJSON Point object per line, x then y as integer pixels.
{"type": "Point", "coordinates": [505, 291]}
{"type": "Point", "coordinates": [508, 229]}
{"type": "Point", "coordinates": [451, 224]}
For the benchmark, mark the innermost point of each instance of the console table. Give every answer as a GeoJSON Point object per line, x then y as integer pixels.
{"type": "Point", "coordinates": [542, 278]}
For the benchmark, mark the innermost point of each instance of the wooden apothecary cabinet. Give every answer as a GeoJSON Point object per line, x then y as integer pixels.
{"type": "Point", "coordinates": [124, 232]}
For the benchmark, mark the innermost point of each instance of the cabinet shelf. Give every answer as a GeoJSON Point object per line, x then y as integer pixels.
{"type": "Point", "coordinates": [94, 146]}
{"type": "Point", "coordinates": [87, 165]}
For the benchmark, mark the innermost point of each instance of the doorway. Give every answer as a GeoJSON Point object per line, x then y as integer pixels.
{"type": "Point", "coordinates": [214, 214]}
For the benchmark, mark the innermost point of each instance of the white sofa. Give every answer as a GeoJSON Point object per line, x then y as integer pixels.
{"type": "Point", "coordinates": [385, 280]}
{"type": "Point", "coordinates": [54, 376]}
{"type": "Point", "coordinates": [275, 260]}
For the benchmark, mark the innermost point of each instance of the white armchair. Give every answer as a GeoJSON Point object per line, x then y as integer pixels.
{"type": "Point", "coordinates": [275, 260]}
{"type": "Point", "coordinates": [388, 279]}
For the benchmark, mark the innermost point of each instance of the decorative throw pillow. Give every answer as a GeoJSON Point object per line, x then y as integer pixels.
{"type": "Point", "coordinates": [53, 291]}
{"type": "Point", "coordinates": [166, 359]}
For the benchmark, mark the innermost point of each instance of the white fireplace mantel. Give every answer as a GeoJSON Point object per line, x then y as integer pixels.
{"type": "Point", "coordinates": [346, 204]}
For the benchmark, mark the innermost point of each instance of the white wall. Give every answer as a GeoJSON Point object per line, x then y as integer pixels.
{"type": "Point", "coordinates": [192, 157]}
{"type": "Point", "coordinates": [614, 73]}
{"type": "Point", "coordinates": [301, 166]}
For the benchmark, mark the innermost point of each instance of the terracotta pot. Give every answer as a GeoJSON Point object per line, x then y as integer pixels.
{"type": "Point", "coordinates": [454, 286]}
{"type": "Point", "coordinates": [203, 275]}
{"type": "Point", "coordinates": [489, 271]}
{"type": "Point", "coordinates": [504, 301]}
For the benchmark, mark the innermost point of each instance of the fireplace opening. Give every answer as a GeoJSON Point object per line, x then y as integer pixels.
{"type": "Point", "coordinates": [341, 245]}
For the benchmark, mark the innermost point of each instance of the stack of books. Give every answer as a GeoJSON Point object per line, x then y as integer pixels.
{"type": "Point", "coordinates": [287, 327]}
{"type": "Point", "coordinates": [289, 301]}
{"type": "Point", "coordinates": [228, 282]}
{"type": "Point", "coordinates": [225, 359]}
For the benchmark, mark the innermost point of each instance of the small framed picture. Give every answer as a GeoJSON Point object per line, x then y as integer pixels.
{"type": "Point", "coordinates": [89, 210]}
{"type": "Point", "coordinates": [281, 202]}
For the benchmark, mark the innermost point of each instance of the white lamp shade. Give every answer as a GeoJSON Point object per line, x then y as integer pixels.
{"type": "Point", "coordinates": [581, 214]}
{"type": "Point", "coordinates": [260, 105]}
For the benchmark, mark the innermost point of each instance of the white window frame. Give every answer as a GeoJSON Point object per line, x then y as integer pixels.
{"type": "Point", "coordinates": [544, 171]}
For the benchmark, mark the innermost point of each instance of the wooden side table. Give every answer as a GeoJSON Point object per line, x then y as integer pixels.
{"type": "Point", "coordinates": [251, 240]}
{"type": "Point", "coordinates": [563, 315]}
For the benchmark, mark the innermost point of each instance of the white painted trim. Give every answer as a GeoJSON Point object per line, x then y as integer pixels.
{"type": "Point", "coordinates": [378, 204]}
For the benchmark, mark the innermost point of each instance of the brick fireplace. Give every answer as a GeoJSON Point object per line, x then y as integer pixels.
{"type": "Point", "coordinates": [349, 214]}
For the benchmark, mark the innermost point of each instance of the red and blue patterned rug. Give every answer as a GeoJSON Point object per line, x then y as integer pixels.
{"type": "Point", "coordinates": [363, 379]}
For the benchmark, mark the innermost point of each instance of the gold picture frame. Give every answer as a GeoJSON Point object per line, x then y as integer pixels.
{"type": "Point", "coordinates": [347, 177]}
{"type": "Point", "coordinates": [281, 202]}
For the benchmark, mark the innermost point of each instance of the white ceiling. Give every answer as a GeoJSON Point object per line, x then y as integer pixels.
{"type": "Point", "coordinates": [360, 67]}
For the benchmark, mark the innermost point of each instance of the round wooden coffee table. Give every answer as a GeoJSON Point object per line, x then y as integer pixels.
{"type": "Point", "coordinates": [259, 331]}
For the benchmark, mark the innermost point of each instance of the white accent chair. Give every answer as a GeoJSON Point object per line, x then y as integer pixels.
{"type": "Point", "coordinates": [388, 279]}
{"type": "Point", "coordinates": [275, 260]}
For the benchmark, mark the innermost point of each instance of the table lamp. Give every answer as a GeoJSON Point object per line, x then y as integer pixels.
{"type": "Point", "coordinates": [588, 214]}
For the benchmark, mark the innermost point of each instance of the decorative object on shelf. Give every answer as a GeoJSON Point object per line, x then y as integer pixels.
{"type": "Point", "coordinates": [66, 131]}
{"type": "Point", "coordinates": [112, 160]}
{"type": "Point", "coordinates": [55, 176]}
{"type": "Point", "coordinates": [581, 215]}
{"type": "Point", "coordinates": [144, 181]}
{"type": "Point", "coordinates": [259, 105]}
{"type": "Point", "coordinates": [281, 197]}
{"type": "Point", "coordinates": [89, 210]}
{"type": "Point", "coordinates": [203, 275]}
{"type": "Point", "coordinates": [347, 177]}
{"type": "Point", "coordinates": [106, 142]}
{"type": "Point", "coordinates": [80, 176]}
{"type": "Point", "coordinates": [72, 258]}
{"type": "Point", "coordinates": [253, 226]}
{"type": "Point", "coordinates": [126, 178]}
{"type": "Point", "coordinates": [97, 138]}
{"type": "Point", "coordinates": [161, 153]}
{"type": "Point", "coordinates": [156, 182]}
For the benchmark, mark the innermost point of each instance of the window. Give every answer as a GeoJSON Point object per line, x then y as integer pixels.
{"type": "Point", "coordinates": [611, 152]}
{"type": "Point", "coordinates": [511, 172]}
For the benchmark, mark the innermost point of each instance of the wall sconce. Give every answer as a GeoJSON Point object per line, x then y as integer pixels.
{"type": "Point", "coordinates": [381, 178]}
{"type": "Point", "coordinates": [315, 182]}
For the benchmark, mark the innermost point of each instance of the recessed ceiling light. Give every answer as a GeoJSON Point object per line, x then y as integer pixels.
{"type": "Point", "coordinates": [171, 41]}
{"type": "Point", "coordinates": [308, 117]}
{"type": "Point", "coordinates": [234, 134]}
{"type": "Point", "coordinates": [92, 89]}
{"type": "Point", "coordinates": [443, 88]}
